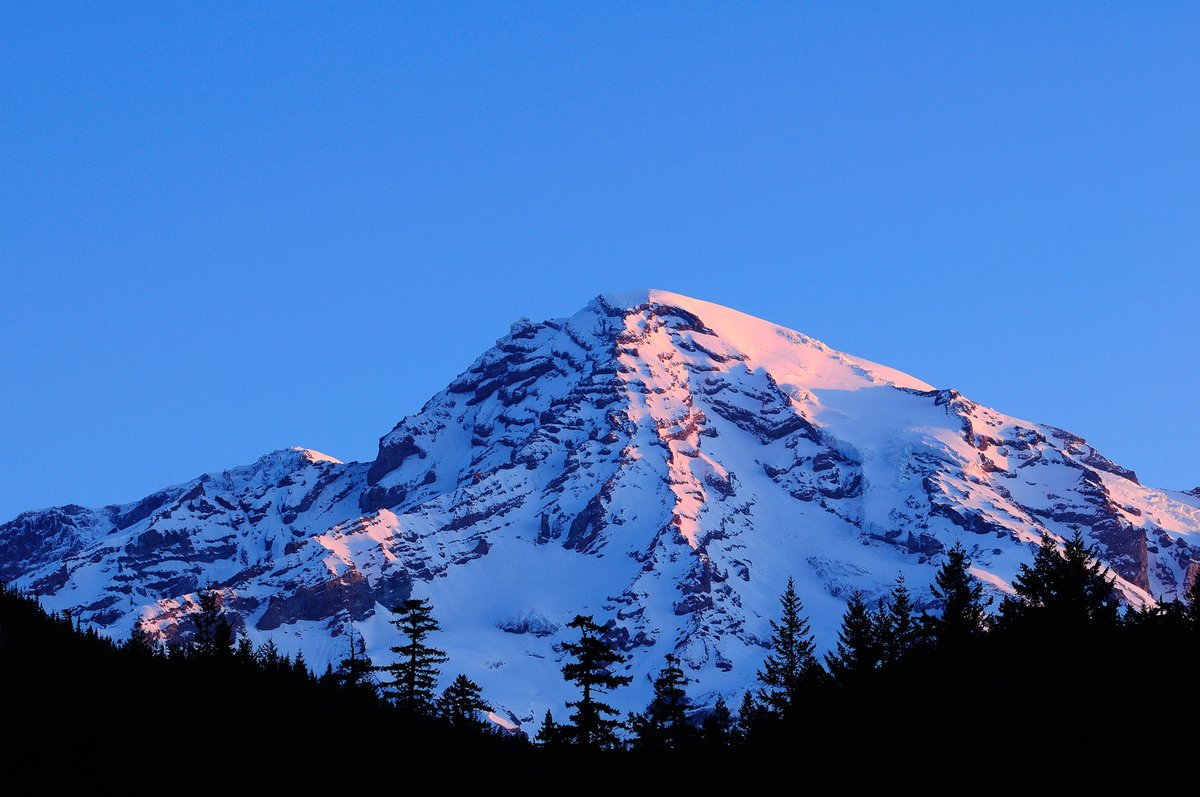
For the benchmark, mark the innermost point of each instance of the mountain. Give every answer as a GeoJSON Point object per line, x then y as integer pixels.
{"type": "Point", "coordinates": [660, 462]}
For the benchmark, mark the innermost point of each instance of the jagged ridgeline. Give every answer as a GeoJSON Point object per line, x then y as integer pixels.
{"type": "Point", "coordinates": [661, 463]}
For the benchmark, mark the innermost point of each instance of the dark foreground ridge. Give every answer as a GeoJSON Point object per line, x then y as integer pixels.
{"type": "Point", "coordinates": [932, 701]}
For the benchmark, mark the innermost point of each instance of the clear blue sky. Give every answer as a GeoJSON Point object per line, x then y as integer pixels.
{"type": "Point", "coordinates": [228, 228]}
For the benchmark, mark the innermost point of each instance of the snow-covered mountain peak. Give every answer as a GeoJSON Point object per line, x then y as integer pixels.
{"type": "Point", "coordinates": [275, 465]}
{"type": "Point", "coordinates": [661, 462]}
{"type": "Point", "coordinates": [792, 358]}
{"type": "Point", "coordinates": [313, 455]}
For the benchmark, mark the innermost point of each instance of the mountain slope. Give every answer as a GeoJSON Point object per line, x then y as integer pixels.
{"type": "Point", "coordinates": [653, 459]}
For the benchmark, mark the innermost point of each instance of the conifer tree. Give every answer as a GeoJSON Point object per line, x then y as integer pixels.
{"type": "Point", "coordinates": [223, 638]}
{"type": "Point", "coordinates": [791, 665]}
{"type": "Point", "coordinates": [664, 723]}
{"type": "Point", "coordinates": [749, 717]}
{"type": "Point", "coordinates": [898, 627]}
{"type": "Point", "coordinates": [460, 701]}
{"type": "Point", "coordinates": [245, 648]}
{"type": "Point", "coordinates": [1194, 603]}
{"type": "Point", "coordinates": [858, 648]}
{"type": "Point", "coordinates": [300, 666]}
{"type": "Point", "coordinates": [1037, 579]}
{"type": "Point", "coordinates": [550, 733]}
{"type": "Point", "coordinates": [1088, 586]}
{"type": "Point", "coordinates": [592, 726]}
{"type": "Point", "coordinates": [1061, 590]}
{"type": "Point", "coordinates": [717, 729]}
{"type": "Point", "coordinates": [415, 672]}
{"type": "Point", "coordinates": [963, 614]}
{"type": "Point", "coordinates": [204, 620]}
{"type": "Point", "coordinates": [354, 671]}
{"type": "Point", "coordinates": [214, 634]}
{"type": "Point", "coordinates": [267, 655]}
{"type": "Point", "coordinates": [1169, 617]}
{"type": "Point", "coordinates": [140, 639]}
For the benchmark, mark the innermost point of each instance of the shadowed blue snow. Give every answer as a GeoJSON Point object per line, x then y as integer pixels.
{"type": "Point", "coordinates": [224, 231]}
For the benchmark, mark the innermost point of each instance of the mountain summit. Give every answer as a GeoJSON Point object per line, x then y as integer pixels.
{"type": "Point", "coordinates": [662, 463]}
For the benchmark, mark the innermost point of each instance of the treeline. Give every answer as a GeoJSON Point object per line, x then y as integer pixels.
{"type": "Point", "coordinates": [1057, 662]}
{"type": "Point", "coordinates": [1058, 683]}
{"type": "Point", "coordinates": [1057, 667]}
{"type": "Point", "coordinates": [74, 703]}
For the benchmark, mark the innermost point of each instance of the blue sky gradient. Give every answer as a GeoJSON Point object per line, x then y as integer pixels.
{"type": "Point", "coordinates": [225, 230]}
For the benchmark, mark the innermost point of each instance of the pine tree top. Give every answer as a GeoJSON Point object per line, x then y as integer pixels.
{"type": "Point", "coordinates": [1063, 587]}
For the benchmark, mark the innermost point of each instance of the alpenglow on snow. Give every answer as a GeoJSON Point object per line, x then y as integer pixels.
{"type": "Point", "coordinates": [662, 463]}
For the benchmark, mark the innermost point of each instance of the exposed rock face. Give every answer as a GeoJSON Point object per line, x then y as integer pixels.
{"type": "Point", "coordinates": [529, 622]}
{"type": "Point", "coordinates": [659, 462]}
{"type": "Point", "coordinates": [349, 594]}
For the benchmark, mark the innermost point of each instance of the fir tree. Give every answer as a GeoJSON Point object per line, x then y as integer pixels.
{"type": "Point", "coordinates": [140, 640]}
{"type": "Point", "coordinates": [223, 638]}
{"type": "Point", "coordinates": [214, 634]}
{"type": "Point", "coordinates": [592, 724]}
{"type": "Point", "coordinates": [415, 672]}
{"type": "Point", "coordinates": [898, 627]}
{"type": "Point", "coordinates": [664, 723]}
{"type": "Point", "coordinates": [858, 648]}
{"type": "Point", "coordinates": [1061, 590]}
{"type": "Point", "coordinates": [717, 729]}
{"type": "Point", "coordinates": [354, 671]}
{"type": "Point", "coordinates": [460, 701]}
{"type": "Point", "coordinates": [300, 666]}
{"type": "Point", "coordinates": [245, 648]}
{"type": "Point", "coordinates": [550, 734]}
{"type": "Point", "coordinates": [964, 614]}
{"type": "Point", "coordinates": [1193, 596]}
{"type": "Point", "coordinates": [749, 717]}
{"type": "Point", "coordinates": [1088, 591]}
{"type": "Point", "coordinates": [791, 665]}
{"type": "Point", "coordinates": [267, 655]}
{"type": "Point", "coordinates": [1169, 617]}
{"type": "Point", "coordinates": [1036, 581]}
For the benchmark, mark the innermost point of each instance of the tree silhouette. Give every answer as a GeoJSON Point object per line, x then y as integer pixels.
{"type": "Point", "coordinates": [1058, 590]}
{"type": "Point", "coordinates": [354, 671]}
{"type": "Point", "coordinates": [267, 655]}
{"type": "Point", "coordinates": [664, 724]}
{"type": "Point", "coordinates": [460, 701]}
{"type": "Point", "coordinates": [415, 672]}
{"type": "Point", "coordinates": [1194, 603]}
{"type": "Point", "coordinates": [550, 733]}
{"type": "Point", "coordinates": [964, 612]}
{"type": "Point", "coordinates": [300, 666]}
{"type": "Point", "coordinates": [749, 717]}
{"type": "Point", "coordinates": [140, 639]}
{"type": "Point", "coordinates": [244, 651]}
{"type": "Point", "coordinates": [791, 665]}
{"type": "Point", "coordinates": [592, 726]}
{"type": "Point", "coordinates": [858, 648]}
{"type": "Point", "coordinates": [899, 630]}
{"type": "Point", "coordinates": [214, 634]}
{"type": "Point", "coordinates": [717, 729]}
